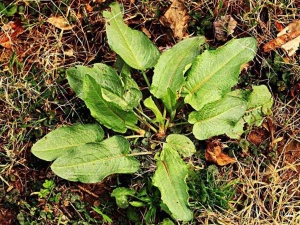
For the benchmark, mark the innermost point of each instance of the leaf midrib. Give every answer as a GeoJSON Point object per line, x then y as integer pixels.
{"type": "Point", "coordinates": [172, 183]}
{"type": "Point", "coordinates": [197, 87]}
{"type": "Point", "coordinates": [108, 105]}
{"type": "Point", "coordinates": [96, 160]}
{"type": "Point", "coordinates": [214, 117]}
{"type": "Point", "coordinates": [123, 37]}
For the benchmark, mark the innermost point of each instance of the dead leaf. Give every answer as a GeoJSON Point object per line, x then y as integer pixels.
{"type": "Point", "coordinates": [279, 26]}
{"type": "Point", "coordinates": [214, 154]}
{"type": "Point", "coordinates": [88, 7]}
{"type": "Point", "coordinates": [60, 22]}
{"type": "Point", "coordinates": [10, 32]}
{"type": "Point", "coordinates": [177, 18]}
{"type": "Point", "coordinates": [292, 27]}
{"type": "Point", "coordinates": [287, 39]}
{"type": "Point", "coordinates": [224, 27]}
{"type": "Point", "coordinates": [69, 52]}
{"type": "Point", "coordinates": [258, 136]}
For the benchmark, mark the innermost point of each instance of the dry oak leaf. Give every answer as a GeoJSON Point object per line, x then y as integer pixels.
{"type": "Point", "coordinates": [177, 18]}
{"type": "Point", "coordinates": [287, 39]}
{"type": "Point", "coordinates": [214, 154]}
{"type": "Point", "coordinates": [60, 22]}
{"type": "Point", "coordinates": [224, 27]}
{"type": "Point", "coordinates": [9, 32]}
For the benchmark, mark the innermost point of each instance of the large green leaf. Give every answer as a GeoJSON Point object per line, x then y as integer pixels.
{"type": "Point", "coordinates": [65, 139]}
{"type": "Point", "coordinates": [180, 143]}
{"type": "Point", "coordinates": [260, 103]}
{"type": "Point", "coordinates": [105, 112]}
{"type": "Point", "coordinates": [103, 74]}
{"type": "Point", "coordinates": [133, 46]}
{"type": "Point", "coordinates": [260, 98]}
{"type": "Point", "coordinates": [128, 101]}
{"type": "Point", "coordinates": [170, 178]}
{"type": "Point", "coordinates": [93, 162]}
{"type": "Point", "coordinates": [217, 117]}
{"type": "Point", "coordinates": [170, 68]}
{"type": "Point", "coordinates": [215, 72]}
{"type": "Point", "coordinates": [125, 74]}
{"type": "Point", "coordinates": [122, 93]}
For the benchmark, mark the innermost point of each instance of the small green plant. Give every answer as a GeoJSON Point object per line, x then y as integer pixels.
{"type": "Point", "coordinates": [181, 76]}
{"type": "Point", "coordinates": [208, 191]}
{"type": "Point", "coordinates": [48, 186]}
{"type": "Point", "coordinates": [8, 10]}
{"type": "Point", "coordinates": [128, 199]}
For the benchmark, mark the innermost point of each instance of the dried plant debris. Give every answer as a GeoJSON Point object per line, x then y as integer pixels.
{"type": "Point", "coordinates": [60, 22]}
{"type": "Point", "coordinates": [177, 18]}
{"type": "Point", "coordinates": [214, 154]}
{"type": "Point", "coordinates": [9, 32]}
{"type": "Point", "coordinates": [224, 27]}
{"type": "Point", "coordinates": [287, 39]}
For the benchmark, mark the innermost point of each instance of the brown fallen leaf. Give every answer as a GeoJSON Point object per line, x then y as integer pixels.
{"type": "Point", "coordinates": [60, 22]}
{"type": "Point", "coordinates": [278, 26]}
{"type": "Point", "coordinates": [224, 27]}
{"type": "Point", "coordinates": [292, 27]}
{"type": "Point", "coordinates": [177, 18]}
{"type": "Point", "coordinates": [10, 32]}
{"type": "Point", "coordinates": [88, 7]}
{"type": "Point", "coordinates": [287, 39]}
{"type": "Point", "coordinates": [214, 154]}
{"type": "Point", "coordinates": [258, 136]}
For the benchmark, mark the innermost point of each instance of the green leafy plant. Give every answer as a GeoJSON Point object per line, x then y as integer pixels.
{"type": "Point", "coordinates": [9, 10]}
{"type": "Point", "coordinates": [181, 76]}
{"type": "Point", "coordinates": [207, 190]}
{"type": "Point", "coordinates": [128, 199]}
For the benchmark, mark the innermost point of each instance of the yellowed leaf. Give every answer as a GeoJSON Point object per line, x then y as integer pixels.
{"type": "Point", "coordinates": [60, 22]}
{"type": "Point", "coordinates": [177, 18]}
{"type": "Point", "coordinates": [224, 27]}
{"type": "Point", "coordinates": [214, 154]}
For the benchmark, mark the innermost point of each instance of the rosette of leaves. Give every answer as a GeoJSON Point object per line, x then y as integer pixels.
{"type": "Point", "coordinates": [182, 74]}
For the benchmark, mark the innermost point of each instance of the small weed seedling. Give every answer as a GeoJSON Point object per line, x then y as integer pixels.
{"type": "Point", "coordinates": [181, 76]}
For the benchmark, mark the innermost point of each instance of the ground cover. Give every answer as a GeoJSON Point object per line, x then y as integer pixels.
{"type": "Point", "coordinates": [35, 98]}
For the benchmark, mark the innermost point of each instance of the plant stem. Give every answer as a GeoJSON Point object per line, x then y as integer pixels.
{"type": "Point", "coordinates": [142, 120]}
{"type": "Point", "coordinates": [179, 124]}
{"type": "Point", "coordinates": [140, 153]}
{"type": "Point", "coordinates": [144, 115]}
{"type": "Point", "coordinates": [146, 78]}
{"type": "Point", "coordinates": [179, 104]}
{"type": "Point", "coordinates": [136, 129]}
{"type": "Point", "coordinates": [167, 124]}
{"type": "Point", "coordinates": [172, 116]}
{"type": "Point", "coordinates": [134, 136]}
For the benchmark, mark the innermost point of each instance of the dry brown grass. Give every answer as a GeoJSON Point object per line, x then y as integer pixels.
{"type": "Point", "coordinates": [267, 194]}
